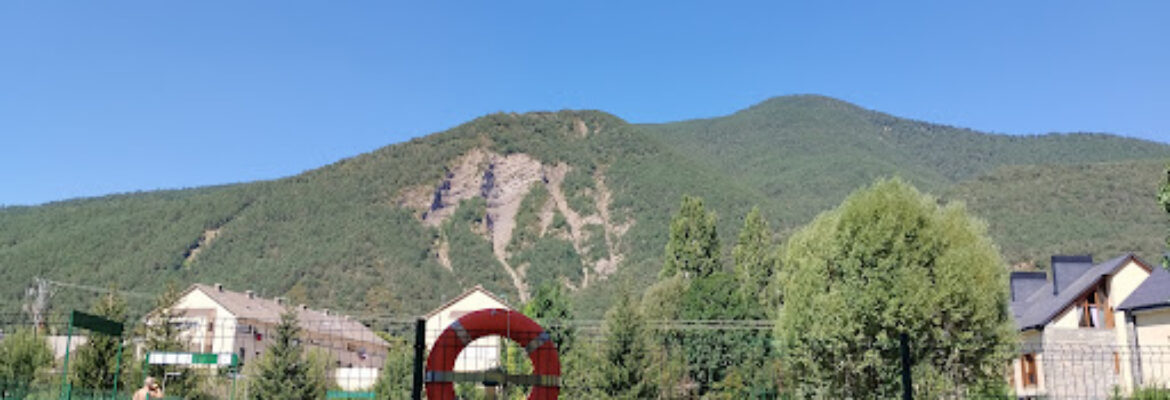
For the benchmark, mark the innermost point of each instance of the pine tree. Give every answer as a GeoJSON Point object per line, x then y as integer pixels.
{"type": "Point", "coordinates": [625, 355]}
{"type": "Point", "coordinates": [24, 354]}
{"type": "Point", "coordinates": [693, 247]}
{"type": "Point", "coordinates": [283, 371]}
{"type": "Point", "coordinates": [94, 364]}
{"type": "Point", "coordinates": [892, 261]}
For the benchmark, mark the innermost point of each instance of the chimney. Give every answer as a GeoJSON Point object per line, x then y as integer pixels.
{"type": "Point", "coordinates": [1067, 269]}
{"type": "Point", "coordinates": [325, 311]}
{"type": "Point", "coordinates": [302, 307]}
{"type": "Point", "coordinates": [219, 287]}
{"type": "Point", "coordinates": [279, 301]}
{"type": "Point", "coordinates": [1025, 283]}
{"type": "Point", "coordinates": [251, 294]}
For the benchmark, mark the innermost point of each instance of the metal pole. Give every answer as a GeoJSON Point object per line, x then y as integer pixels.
{"type": "Point", "coordinates": [235, 376]}
{"type": "Point", "coordinates": [907, 387]}
{"type": "Point", "coordinates": [65, 387]}
{"type": "Point", "coordinates": [118, 367]}
{"type": "Point", "coordinates": [420, 347]}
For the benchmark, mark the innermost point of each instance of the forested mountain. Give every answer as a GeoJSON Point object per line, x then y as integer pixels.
{"type": "Point", "coordinates": [576, 197]}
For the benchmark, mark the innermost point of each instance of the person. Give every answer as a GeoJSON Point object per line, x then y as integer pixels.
{"type": "Point", "coordinates": [150, 390]}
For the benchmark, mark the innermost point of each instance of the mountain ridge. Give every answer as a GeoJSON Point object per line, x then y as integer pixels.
{"type": "Point", "coordinates": [584, 197]}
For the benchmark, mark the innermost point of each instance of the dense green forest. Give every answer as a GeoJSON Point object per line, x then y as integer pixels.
{"type": "Point", "coordinates": [580, 198]}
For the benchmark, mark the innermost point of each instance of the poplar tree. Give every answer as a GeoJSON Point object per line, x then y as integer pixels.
{"type": "Point", "coordinates": [755, 258]}
{"type": "Point", "coordinates": [693, 247]}
{"type": "Point", "coordinates": [892, 261]}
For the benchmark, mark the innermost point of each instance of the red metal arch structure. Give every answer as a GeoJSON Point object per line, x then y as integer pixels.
{"type": "Point", "coordinates": [440, 376]}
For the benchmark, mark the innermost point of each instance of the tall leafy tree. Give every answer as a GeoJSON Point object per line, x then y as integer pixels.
{"type": "Point", "coordinates": [95, 364]}
{"type": "Point", "coordinates": [24, 354]}
{"type": "Point", "coordinates": [693, 247]}
{"type": "Point", "coordinates": [755, 258]}
{"type": "Point", "coordinates": [892, 261]}
{"type": "Point", "coordinates": [283, 371]}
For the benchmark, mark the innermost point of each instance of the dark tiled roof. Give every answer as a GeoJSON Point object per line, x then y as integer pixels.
{"type": "Point", "coordinates": [1154, 292]}
{"type": "Point", "coordinates": [1044, 305]}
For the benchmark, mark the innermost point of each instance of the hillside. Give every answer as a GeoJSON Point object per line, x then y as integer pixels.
{"type": "Point", "coordinates": [812, 150]}
{"type": "Point", "coordinates": [581, 198]}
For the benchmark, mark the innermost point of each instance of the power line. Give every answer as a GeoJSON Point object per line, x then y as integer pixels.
{"type": "Point", "coordinates": [98, 289]}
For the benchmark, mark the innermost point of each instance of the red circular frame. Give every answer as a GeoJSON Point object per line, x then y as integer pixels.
{"type": "Point", "coordinates": [494, 321]}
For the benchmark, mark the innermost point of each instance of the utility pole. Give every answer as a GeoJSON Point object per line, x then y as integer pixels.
{"type": "Point", "coordinates": [37, 301]}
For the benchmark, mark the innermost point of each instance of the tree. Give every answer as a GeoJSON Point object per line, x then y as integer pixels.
{"type": "Point", "coordinates": [693, 247]}
{"type": "Point", "coordinates": [549, 306]}
{"type": "Point", "coordinates": [711, 353]}
{"type": "Point", "coordinates": [396, 378]}
{"type": "Point", "coordinates": [95, 363]}
{"type": "Point", "coordinates": [162, 334]}
{"type": "Point", "coordinates": [755, 258]}
{"type": "Point", "coordinates": [892, 261]}
{"type": "Point", "coordinates": [624, 351]}
{"type": "Point", "coordinates": [283, 371]}
{"type": "Point", "coordinates": [24, 354]}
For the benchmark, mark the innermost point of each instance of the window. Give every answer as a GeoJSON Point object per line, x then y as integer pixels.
{"type": "Point", "coordinates": [1094, 310]}
{"type": "Point", "coordinates": [1028, 372]}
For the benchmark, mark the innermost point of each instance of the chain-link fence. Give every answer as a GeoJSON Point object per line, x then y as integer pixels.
{"type": "Point", "coordinates": [334, 356]}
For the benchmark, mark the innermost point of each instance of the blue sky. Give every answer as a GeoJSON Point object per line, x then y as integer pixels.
{"type": "Point", "coordinates": [106, 97]}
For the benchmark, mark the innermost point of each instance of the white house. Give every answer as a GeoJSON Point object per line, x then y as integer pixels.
{"type": "Point", "coordinates": [215, 320]}
{"type": "Point", "coordinates": [480, 355]}
{"type": "Point", "coordinates": [1075, 342]}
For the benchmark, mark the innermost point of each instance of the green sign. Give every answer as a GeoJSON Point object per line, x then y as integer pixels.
{"type": "Point", "coordinates": [337, 394]}
{"type": "Point", "coordinates": [96, 324]}
{"type": "Point", "coordinates": [164, 358]}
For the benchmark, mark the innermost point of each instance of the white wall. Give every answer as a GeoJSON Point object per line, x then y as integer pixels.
{"type": "Point", "coordinates": [481, 354]}
{"type": "Point", "coordinates": [1153, 334]}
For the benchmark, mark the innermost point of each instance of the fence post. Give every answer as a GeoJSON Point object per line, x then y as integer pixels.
{"type": "Point", "coordinates": [420, 347]}
{"type": "Point", "coordinates": [907, 387]}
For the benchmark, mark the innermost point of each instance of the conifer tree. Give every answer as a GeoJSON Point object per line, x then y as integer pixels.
{"type": "Point", "coordinates": [283, 371]}
{"type": "Point", "coordinates": [395, 379]}
{"type": "Point", "coordinates": [549, 306]}
{"type": "Point", "coordinates": [94, 364]}
{"type": "Point", "coordinates": [24, 354]}
{"type": "Point", "coordinates": [625, 355]}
